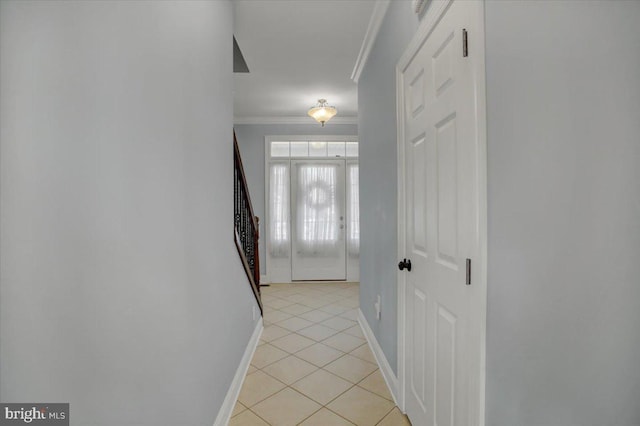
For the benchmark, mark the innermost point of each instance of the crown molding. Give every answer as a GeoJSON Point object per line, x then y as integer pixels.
{"type": "Point", "coordinates": [292, 120]}
{"type": "Point", "coordinates": [377, 16]}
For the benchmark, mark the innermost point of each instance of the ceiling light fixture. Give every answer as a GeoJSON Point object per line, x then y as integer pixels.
{"type": "Point", "coordinates": [322, 112]}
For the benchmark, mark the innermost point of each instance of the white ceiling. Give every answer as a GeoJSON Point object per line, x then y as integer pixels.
{"type": "Point", "coordinates": [298, 51]}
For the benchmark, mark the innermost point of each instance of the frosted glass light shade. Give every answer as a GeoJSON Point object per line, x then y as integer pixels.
{"type": "Point", "coordinates": [322, 112]}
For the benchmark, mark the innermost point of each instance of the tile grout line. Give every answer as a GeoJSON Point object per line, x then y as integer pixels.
{"type": "Point", "coordinates": [385, 416]}
{"type": "Point", "coordinates": [346, 293]}
{"type": "Point", "coordinates": [264, 420]}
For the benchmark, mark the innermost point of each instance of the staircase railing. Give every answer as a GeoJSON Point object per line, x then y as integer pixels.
{"type": "Point", "coordinates": [246, 230]}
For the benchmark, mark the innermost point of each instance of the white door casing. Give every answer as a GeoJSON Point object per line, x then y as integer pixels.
{"type": "Point", "coordinates": [442, 218]}
{"type": "Point", "coordinates": [277, 234]}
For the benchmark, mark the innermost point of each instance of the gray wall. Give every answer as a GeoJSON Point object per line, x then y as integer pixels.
{"type": "Point", "coordinates": [378, 175]}
{"type": "Point", "coordinates": [251, 143]}
{"type": "Point", "coordinates": [564, 213]}
{"type": "Point", "coordinates": [119, 279]}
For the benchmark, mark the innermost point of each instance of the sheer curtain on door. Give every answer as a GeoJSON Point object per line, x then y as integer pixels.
{"type": "Point", "coordinates": [353, 210]}
{"type": "Point", "coordinates": [279, 226]}
{"type": "Point", "coordinates": [317, 209]}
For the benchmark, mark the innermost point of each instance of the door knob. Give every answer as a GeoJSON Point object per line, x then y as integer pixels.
{"type": "Point", "coordinates": [405, 264]}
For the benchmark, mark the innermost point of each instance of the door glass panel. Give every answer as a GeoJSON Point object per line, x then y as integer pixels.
{"type": "Point", "coordinates": [336, 149]}
{"type": "Point", "coordinates": [299, 149]}
{"type": "Point", "coordinates": [317, 208]}
{"type": "Point", "coordinates": [353, 211]}
{"type": "Point", "coordinates": [279, 149]}
{"type": "Point", "coordinates": [352, 149]}
{"type": "Point", "coordinates": [318, 215]}
{"type": "Point", "coordinates": [317, 149]}
{"type": "Point", "coordinates": [279, 210]}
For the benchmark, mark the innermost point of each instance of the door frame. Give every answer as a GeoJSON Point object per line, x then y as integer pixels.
{"type": "Point", "coordinates": [434, 13]}
{"type": "Point", "coordinates": [268, 278]}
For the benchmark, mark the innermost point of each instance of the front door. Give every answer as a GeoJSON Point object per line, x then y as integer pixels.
{"type": "Point", "coordinates": [318, 220]}
{"type": "Point", "coordinates": [442, 349]}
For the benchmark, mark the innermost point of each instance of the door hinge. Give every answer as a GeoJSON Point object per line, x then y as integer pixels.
{"type": "Point", "coordinates": [468, 271]}
{"type": "Point", "coordinates": [465, 44]}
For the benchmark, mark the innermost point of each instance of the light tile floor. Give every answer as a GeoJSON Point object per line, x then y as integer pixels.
{"type": "Point", "coordinates": [313, 365]}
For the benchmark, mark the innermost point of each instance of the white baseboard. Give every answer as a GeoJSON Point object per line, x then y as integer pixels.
{"type": "Point", "coordinates": [224, 415]}
{"type": "Point", "coordinates": [264, 279]}
{"type": "Point", "coordinates": [389, 377]}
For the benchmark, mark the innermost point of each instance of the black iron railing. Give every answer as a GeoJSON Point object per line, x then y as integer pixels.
{"type": "Point", "coordinates": [246, 231]}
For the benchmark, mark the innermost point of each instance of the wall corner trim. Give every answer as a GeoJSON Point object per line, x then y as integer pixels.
{"type": "Point", "coordinates": [389, 377]}
{"type": "Point", "coordinates": [224, 414]}
{"type": "Point", "coordinates": [377, 16]}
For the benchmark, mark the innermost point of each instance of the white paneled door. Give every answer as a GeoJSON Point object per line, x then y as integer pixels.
{"type": "Point", "coordinates": [318, 220]}
{"type": "Point", "coordinates": [442, 314]}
